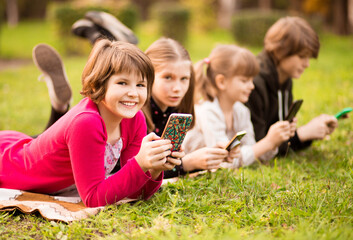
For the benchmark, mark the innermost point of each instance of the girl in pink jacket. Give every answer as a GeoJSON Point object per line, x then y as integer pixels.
{"type": "Point", "coordinates": [103, 130]}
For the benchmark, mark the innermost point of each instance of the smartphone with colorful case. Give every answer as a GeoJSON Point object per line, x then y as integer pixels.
{"type": "Point", "coordinates": [175, 129]}
{"type": "Point", "coordinates": [235, 141]}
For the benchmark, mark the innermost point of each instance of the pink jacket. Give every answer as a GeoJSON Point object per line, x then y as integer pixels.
{"type": "Point", "coordinates": [72, 152]}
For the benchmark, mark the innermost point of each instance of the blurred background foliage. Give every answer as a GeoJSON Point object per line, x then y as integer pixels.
{"type": "Point", "coordinates": [247, 20]}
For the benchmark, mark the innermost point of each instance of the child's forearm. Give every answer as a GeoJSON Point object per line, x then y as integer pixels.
{"type": "Point", "coordinates": [303, 133]}
{"type": "Point", "coordinates": [187, 164]}
{"type": "Point", "coordinates": [155, 173]}
{"type": "Point", "coordinates": [262, 147]}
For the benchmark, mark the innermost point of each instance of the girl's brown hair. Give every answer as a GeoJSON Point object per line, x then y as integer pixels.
{"type": "Point", "coordinates": [289, 36]}
{"type": "Point", "coordinates": [108, 58]}
{"type": "Point", "coordinates": [228, 60]}
{"type": "Point", "coordinates": [168, 50]}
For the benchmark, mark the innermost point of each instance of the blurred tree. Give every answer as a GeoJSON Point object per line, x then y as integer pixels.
{"type": "Point", "coordinates": [249, 4]}
{"type": "Point", "coordinates": [17, 10]}
{"type": "Point", "coordinates": [12, 12]}
{"type": "Point", "coordinates": [340, 17]}
{"type": "Point", "coordinates": [350, 15]}
{"type": "Point", "coordinates": [173, 20]}
{"type": "Point", "coordinates": [265, 4]}
{"type": "Point", "coordinates": [316, 6]}
{"type": "Point", "coordinates": [226, 10]}
{"type": "Point", "coordinates": [32, 9]}
{"type": "Point", "coordinates": [144, 6]}
{"type": "Point", "coordinates": [295, 5]}
{"type": "Point", "coordinates": [203, 13]}
{"type": "Point", "coordinates": [336, 13]}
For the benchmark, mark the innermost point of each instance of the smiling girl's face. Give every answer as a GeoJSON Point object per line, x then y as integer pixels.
{"type": "Point", "coordinates": [172, 80]}
{"type": "Point", "coordinates": [125, 95]}
{"type": "Point", "coordinates": [239, 88]}
{"type": "Point", "coordinates": [236, 89]}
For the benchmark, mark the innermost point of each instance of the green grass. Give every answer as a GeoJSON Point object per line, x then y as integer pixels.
{"type": "Point", "coordinates": [18, 42]}
{"type": "Point", "coordinates": [307, 195]}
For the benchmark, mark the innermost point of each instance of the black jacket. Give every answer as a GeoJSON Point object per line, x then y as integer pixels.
{"type": "Point", "coordinates": [269, 102]}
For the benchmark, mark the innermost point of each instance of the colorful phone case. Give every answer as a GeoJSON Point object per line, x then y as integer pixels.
{"type": "Point", "coordinates": [175, 130]}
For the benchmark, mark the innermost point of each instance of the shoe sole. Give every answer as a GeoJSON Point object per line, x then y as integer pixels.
{"type": "Point", "coordinates": [48, 60]}
{"type": "Point", "coordinates": [113, 25]}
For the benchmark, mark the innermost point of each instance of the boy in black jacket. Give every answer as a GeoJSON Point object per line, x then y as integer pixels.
{"type": "Point", "coordinates": [288, 46]}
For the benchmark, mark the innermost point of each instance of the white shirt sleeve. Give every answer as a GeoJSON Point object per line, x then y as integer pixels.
{"type": "Point", "coordinates": [210, 129]}
{"type": "Point", "coordinates": [242, 121]}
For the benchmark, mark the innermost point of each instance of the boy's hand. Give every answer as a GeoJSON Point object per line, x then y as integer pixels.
{"type": "Point", "coordinates": [293, 127]}
{"type": "Point", "coordinates": [332, 123]}
{"type": "Point", "coordinates": [318, 128]}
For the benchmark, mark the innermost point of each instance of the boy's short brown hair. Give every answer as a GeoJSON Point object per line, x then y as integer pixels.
{"type": "Point", "coordinates": [108, 58]}
{"type": "Point", "coordinates": [289, 36]}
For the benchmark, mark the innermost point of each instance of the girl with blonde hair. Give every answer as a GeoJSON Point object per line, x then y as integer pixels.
{"type": "Point", "coordinates": [224, 81]}
{"type": "Point", "coordinates": [173, 92]}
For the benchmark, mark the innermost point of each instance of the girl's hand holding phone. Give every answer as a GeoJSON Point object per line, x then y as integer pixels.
{"type": "Point", "coordinates": [234, 153]}
{"type": "Point", "coordinates": [174, 159]}
{"type": "Point", "coordinates": [206, 158]}
{"type": "Point", "coordinates": [153, 154]}
{"type": "Point", "coordinates": [278, 133]}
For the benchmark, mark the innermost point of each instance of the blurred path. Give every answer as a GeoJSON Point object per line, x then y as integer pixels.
{"type": "Point", "coordinates": [13, 63]}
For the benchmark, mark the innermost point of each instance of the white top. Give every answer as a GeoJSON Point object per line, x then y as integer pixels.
{"type": "Point", "coordinates": [210, 129]}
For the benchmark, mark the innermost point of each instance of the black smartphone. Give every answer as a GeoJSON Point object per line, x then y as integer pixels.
{"type": "Point", "coordinates": [235, 141]}
{"type": "Point", "coordinates": [175, 129]}
{"type": "Point", "coordinates": [293, 109]}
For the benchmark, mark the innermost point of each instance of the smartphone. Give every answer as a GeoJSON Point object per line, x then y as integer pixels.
{"type": "Point", "coordinates": [235, 141]}
{"type": "Point", "coordinates": [175, 129]}
{"type": "Point", "coordinates": [293, 110]}
{"type": "Point", "coordinates": [343, 112]}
